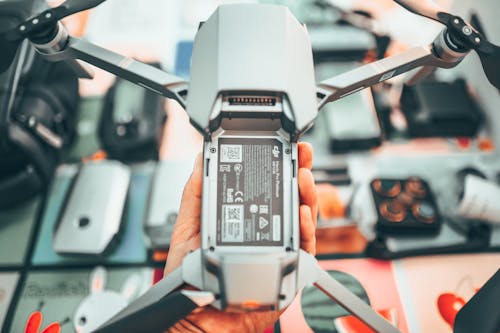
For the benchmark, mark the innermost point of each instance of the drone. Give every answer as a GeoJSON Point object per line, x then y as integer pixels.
{"type": "Point", "coordinates": [252, 95]}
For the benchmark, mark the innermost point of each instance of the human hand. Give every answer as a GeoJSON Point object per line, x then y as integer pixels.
{"type": "Point", "coordinates": [186, 237]}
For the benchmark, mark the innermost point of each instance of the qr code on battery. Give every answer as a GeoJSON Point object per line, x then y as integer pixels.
{"type": "Point", "coordinates": [233, 213]}
{"type": "Point", "coordinates": [232, 227]}
{"type": "Point", "coordinates": [231, 154]}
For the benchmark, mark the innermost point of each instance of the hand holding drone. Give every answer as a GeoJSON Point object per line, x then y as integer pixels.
{"type": "Point", "coordinates": [186, 237]}
{"type": "Point", "coordinates": [252, 94]}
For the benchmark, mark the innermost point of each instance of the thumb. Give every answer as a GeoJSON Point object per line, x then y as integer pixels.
{"type": "Point", "coordinates": [187, 224]}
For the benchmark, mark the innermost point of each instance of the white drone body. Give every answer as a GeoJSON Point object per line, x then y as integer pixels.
{"type": "Point", "coordinates": [252, 49]}
{"type": "Point", "coordinates": [252, 80]}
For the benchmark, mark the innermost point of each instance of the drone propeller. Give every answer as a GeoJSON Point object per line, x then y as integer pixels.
{"type": "Point", "coordinates": [9, 50]}
{"type": "Point", "coordinates": [427, 8]}
{"type": "Point", "coordinates": [489, 55]}
{"type": "Point", "coordinates": [461, 36]}
{"type": "Point", "coordinates": [40, 29]}
{"type": "Point", "coordinates": [70, 7]}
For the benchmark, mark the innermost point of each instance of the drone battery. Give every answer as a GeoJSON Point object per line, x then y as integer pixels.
{"type": "Point", "coordinates": [250, 192]}
{"type": "Point", "coordinates": [440, 109]}
{"type": "Point", "coordinates": [132, 121]}
{"type": "Point", "coordinates": [250, 223]}
{"type": "Point", "coordinates": [340, 43]}
{"type": "Point", "coordinates": [352, 123]}
{"type": "Point", "coordinates": [250, 205]}
{"type": "Point", "coordinates": [164, 202]}
{"type": "Point", "coordinates": [92, 216]}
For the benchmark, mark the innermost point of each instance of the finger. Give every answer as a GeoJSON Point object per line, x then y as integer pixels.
{"type": "Point", "coordinates": [194, 328]}
{"type": "Point", "coordinates": [189, 326]}
{"type": "Point", "coordinates": [178, 251]}
{"type": "Point", "coordinates": [188, 220]}
{"type": "Point", "coordinates": [305, 152]}
{"type": "Point", "coordinates": [213, 320]}
{"type": "Point", "coordinates": [307, 230]}
{"type": "Point", "coordinates": [209, 319]}
{"type": "Point", "coordinates": [307, 192]}
{"type": "Point", "coordinates": [174, 329]}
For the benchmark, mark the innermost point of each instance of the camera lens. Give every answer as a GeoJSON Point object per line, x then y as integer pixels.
{"type": "Point", "coordinates": [415, 187]}
{"type": "Point", "coordinates": [387, 188]}
{"type": "Point", "coordinates": [424, 212]}
{"type": "Point", "coordinates": [393, 211]}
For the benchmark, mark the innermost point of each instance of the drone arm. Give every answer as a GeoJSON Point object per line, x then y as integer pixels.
{"type": "Point", "coordinates": [161, 315]}
{"type": "Point", "coordinates": [147, 76]}
{"type": "Point", "coordinates": [159, 308]}
{"type": "Point", "coordinates": [381, 70]}
{"type": "Point", "coordinates": [345, 298]}
{"type": "Point", "coordinates": [311, 273]}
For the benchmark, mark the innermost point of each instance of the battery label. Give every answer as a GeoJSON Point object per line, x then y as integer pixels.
{"type": "Point", "coordinates": [250, 192]}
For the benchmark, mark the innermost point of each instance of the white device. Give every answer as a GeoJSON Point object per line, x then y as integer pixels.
{"type": "Point", "coordinates": [92, 216]}
{"type": "Point", "coordinates": [164, 201]}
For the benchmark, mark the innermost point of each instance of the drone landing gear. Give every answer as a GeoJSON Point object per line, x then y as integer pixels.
{"type": "Point", "coordinates": [164, 304]}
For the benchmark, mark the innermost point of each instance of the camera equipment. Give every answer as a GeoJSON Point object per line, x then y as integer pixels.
{"type": "Point", "coordinates": [38, 100]}
{"type": "Point", "coordinates": [132, 122]}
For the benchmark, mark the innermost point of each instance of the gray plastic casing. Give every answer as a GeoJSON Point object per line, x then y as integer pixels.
{"type": "Point", "coordinates": [99, 195]}
{"type": "Point", "coordinates": [270, 51]}
{"type": "Point", "coordinates": [164, 201]}
{"type": "Point", "coordinates": [225, 63]}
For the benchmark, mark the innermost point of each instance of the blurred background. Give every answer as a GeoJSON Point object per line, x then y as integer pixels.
{"type": "Point", "coordinates": [402, 171]}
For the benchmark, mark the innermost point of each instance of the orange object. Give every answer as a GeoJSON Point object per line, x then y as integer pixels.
{"type": "Point", "coordinates": [351, 324]}
{"type": "Point", "coordinates": [415, 187]}
{"type": "Point", "coordinates": [485, 144]}
{"type": "Point", "coordinates": [329, 202]}
{"type": "Point", "coordinates": [35, 321]}
{"type": "Point", "coordinates": [160, 256]}
{"type": "Point", "coordinates": [394, 190]}
{"type": "Point", "coordinates": [339, 240]}
{"type": "Point", "coordinates": [250, 305]}
{"type": "Point", "coordinates": [77, 23]}
{"type": "Point", "coordinates": [52, 328]}
{"type": "Point", "coordinates": [97, 156]}
{"type": "Point", "coordinates": [371, 56]}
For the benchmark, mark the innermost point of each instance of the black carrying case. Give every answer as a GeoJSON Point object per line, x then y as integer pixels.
{"type": "Point", "coordinates": [31, 89]}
